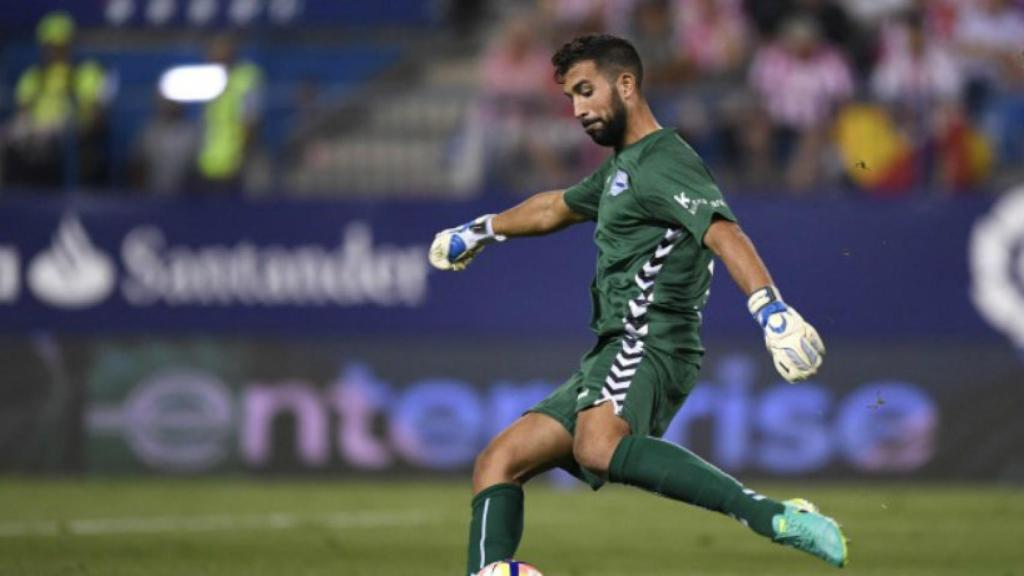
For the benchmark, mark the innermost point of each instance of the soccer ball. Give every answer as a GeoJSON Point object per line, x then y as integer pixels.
{"type": "Point", "coordinates": [509, 568]}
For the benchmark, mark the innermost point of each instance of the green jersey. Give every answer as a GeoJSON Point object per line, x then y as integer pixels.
{"type": "Point", "coordinates": [653, 202]}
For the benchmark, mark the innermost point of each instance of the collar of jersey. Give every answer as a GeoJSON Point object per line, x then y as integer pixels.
{"type": "Point", "coordinates": [642, 140]}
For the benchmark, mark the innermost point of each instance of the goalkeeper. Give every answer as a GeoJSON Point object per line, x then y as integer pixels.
{"type": "Point", "coordinates": [660, 219]}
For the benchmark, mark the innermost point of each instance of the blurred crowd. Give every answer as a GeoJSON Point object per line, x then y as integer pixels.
{"type": "Point", "coordinates": [891, 97]}
{"type": "Point", "coordinates": [880, 97]}
{"type": "Point", "coordinates": [58, 133]}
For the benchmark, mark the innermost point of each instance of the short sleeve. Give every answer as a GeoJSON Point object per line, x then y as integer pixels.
{"type": "Point", "coordinates": [585, 197]}
{"type": "Point", "coordinates": [677, 189]}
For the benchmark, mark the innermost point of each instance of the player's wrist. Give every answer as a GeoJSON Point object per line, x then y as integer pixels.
{"type": "Point", "coordinates": [489, 226]}
{"type": "Point", "coordinates": [764, 302]}
{"type": "Point", "coordinates": [483, 230]}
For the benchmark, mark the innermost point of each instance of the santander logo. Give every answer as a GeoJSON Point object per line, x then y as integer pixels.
{"type": "Point", "coordinates": [71, 273]}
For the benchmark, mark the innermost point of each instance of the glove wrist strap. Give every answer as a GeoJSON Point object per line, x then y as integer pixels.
{"type": "Point", "coordinates": [763, 302]}
{"type": "Point", "coordinates": [489, 222]}
{"type": "Point", "coordinates": [762, 297]}
{"type": "Point", "coordinates": [483, 230]}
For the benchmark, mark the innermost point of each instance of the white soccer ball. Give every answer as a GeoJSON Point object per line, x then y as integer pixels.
{"type": "Point", "coordinates": [509, 568]}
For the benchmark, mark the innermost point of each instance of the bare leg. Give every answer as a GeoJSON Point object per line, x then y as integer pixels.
{"type": "Point", "coordinates": [598, 433]}
{"type": "Point", "coordinates": [532, 444]}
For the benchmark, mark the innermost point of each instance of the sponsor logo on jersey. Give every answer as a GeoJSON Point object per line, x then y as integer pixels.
{"type": "Point", "coordinates": [686, 202]}
{"type": "Point", "coordinates": [71, 273]}
{"type": "Point", "coordinates": [691, 205]}
{"type": "Point", "coordinates": [619, 183]}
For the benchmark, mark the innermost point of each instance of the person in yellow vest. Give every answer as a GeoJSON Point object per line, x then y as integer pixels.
{"type": "Point", "coordinates": [58, 134]}
{"type": "Point", "coordinates": [229, 121]}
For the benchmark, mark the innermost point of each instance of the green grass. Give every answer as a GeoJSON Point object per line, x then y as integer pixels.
{"type": "Point", "coordinates": [220, 527]}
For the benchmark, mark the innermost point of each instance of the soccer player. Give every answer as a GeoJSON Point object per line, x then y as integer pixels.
{"type": "Point", "coordinates": [660, 219]}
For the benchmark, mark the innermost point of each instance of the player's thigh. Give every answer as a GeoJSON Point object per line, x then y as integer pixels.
{"type": "Point", "coordinates": [598, 432]}
{"type": "Point", "coordinates": [679, 378]}
{"type": "Point", "coordinates": [532, 444]}
{"type": "Point", "coordinates": [645, 392]}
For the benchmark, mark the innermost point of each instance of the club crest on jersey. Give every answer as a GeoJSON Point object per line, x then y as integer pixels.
{"type": "Point", "coordinates": [619, 183]}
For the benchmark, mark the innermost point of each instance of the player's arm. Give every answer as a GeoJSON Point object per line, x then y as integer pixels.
{"type": "Point", "coordinates": [543, 213]}
{"type": "Point", "coordinates": [539, 214]}
{"type": "Point", "coordinates": [795, 346]}
{"type": "Point", "coordinates": [734, 248]}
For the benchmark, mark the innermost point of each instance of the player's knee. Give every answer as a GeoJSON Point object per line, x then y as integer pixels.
{"type": "Point", "coordinates": [488, 461]}
{"type": "Point", "coordinates": [494, 465]}
{"type": "Point", "coordinates": [594, 452]}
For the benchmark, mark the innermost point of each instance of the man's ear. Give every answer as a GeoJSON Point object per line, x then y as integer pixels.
{"type": "Point", "coordinates": [626, 85]}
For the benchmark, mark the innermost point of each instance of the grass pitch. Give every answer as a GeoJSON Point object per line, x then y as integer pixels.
{"type": "Point", "coordinates": [252, 528]}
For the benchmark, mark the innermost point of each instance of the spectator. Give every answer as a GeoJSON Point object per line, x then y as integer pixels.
{"type": "Point", "coordinates": [713, 46]}
{"type": "Point", "coordinates": [800, 80]}
{"type": "Point", "coordinates": [166, 150]}
{"type": "Point", "coordinates": [574, 17]}
{"type": "Point", "coordinates": [840, 30]}
{"type": "Point", "coordinates": [524, 138]}
{"type": "Point", "coordinates": [769, 16]}
{"type": "Point", "coordinates": [939, 23]}
{"type": "Point", "coordinates": [990, 37]}
{"type": "Point", "coordinates": [916, 73]}
{"type": "Point", "coordinates": [713, 36]}
{"type": "Point", "coordinates": [517, 64]}
{"type": "Point", "coordinates": [832, 18]}
{"type": "Point", "coordinates": [921, 84]}
{"type": "Point", "coordinates": [60, 121]}
{"type": "Point", "coordinates": [230, 121]}
{"type": "Point", "coordinates": [654, 37]}
{"type": "Point", "coordinates": [871, 13]}
{"type": "Point", "coordinates": [941, 18]}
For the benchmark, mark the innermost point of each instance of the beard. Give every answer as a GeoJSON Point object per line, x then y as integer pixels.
{"type": "Point", "coordinates": [612, 129]}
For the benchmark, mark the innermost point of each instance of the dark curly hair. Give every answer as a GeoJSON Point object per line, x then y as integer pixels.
{"type": "Point", "coordinates": [610, 53]}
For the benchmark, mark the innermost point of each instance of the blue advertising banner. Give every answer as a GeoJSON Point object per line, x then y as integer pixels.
{"type": "Point", "coordinates": [857, 269]}
{"type": "Point", "coordinates": [387, 406]}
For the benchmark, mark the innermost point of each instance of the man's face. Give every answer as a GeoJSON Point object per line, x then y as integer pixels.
{"type": "Point", "coordinates": [221, 51]}
{"type": "Point", "coordinates": [53, 53]}
{"type": "Point", "coordinates": [596, 103]}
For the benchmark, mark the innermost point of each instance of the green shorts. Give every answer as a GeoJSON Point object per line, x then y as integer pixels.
{"type": "Point", "coordinates": [645, 385]}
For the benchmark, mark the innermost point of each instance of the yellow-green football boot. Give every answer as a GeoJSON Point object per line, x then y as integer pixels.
{"type": "Point", "coordinates": [803, 528]}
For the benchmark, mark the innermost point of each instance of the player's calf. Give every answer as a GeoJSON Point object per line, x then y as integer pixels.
{"type": "Point", "coordinates": [532, 444]}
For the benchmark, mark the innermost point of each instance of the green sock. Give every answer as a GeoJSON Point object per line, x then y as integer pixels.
{"type": "Point", "coordinates": [497, 525]}
{"type": "Point", "coordinates": [675, 472]}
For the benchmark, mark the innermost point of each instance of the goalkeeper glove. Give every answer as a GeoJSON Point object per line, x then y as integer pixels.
{"type": "Point", "coordinates": [794, 344]}
{"type": "Point", "coordinates": [455, 248]}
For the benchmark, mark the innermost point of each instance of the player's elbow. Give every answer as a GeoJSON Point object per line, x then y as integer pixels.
{"type": "Point", "coordinates": [558, 214]}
